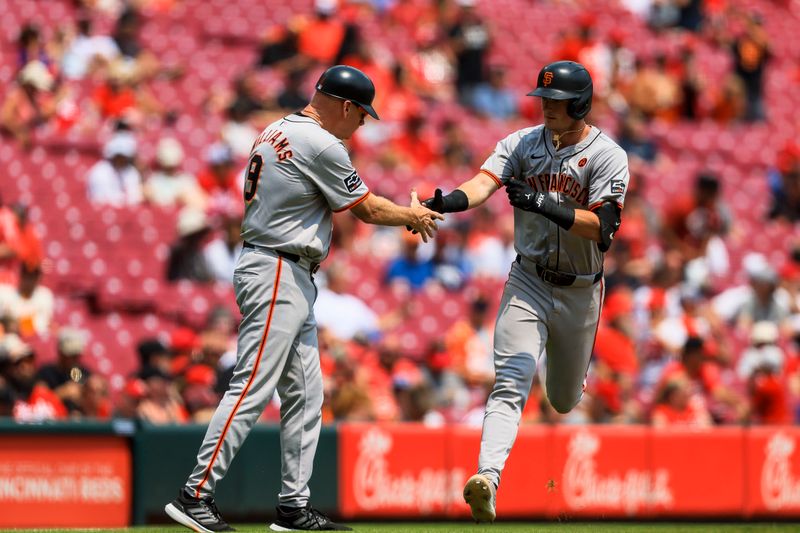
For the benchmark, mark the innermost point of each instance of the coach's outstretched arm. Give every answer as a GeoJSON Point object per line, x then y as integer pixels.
{"type": "Point", "coordinates": [379, 210]}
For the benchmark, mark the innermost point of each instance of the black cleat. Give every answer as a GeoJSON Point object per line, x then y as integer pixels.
{"type": "Point", "coordinates": [304, 519]}
{"type": "Point", "coordinates": [198, 514]}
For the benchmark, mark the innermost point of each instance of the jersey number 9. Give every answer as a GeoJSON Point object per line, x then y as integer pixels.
{"type": "Point", "coordinates": [253, 174]}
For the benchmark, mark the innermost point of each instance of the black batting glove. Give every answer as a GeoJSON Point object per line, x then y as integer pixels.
{"type": "Point", "coordinates": [522, 196]}
{"type": "Point", "coordinates": [436, 203]}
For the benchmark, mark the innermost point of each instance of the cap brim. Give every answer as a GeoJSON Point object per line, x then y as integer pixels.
{"type": "Point", "coordinates": [555, 94]}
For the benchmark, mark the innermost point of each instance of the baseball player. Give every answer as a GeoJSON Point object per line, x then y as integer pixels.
{"type": "Point", "coordinates": [299, 173]}
{"type": "Point", "coordinates": [567, 181]}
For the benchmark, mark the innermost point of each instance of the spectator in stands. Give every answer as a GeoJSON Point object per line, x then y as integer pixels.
{"type": "Point", "coordinates": [66, 377]}
{"type": "Point", "coordinates": [220, 180]}
{"type": "Point", "coordinates": [676, 405]}
{"type": "Point", "coordinates": [186, 258]}
{"type": "Point", "coordinates": [94, 401]}
{"type": "Point", "coordinates": [184, 344]}
{"type": "Point", "coordinates": [345, 315]}
{"type": "Point", "coordinates": [430, 67]}
{"type": "Point", "coordinates": [494, 98]}
{"type": "Point", "coordinates": [115, 180]}
{"type": "Point", "coordinates": [352, 403]}
{"type": "Point", "coordinates": [470, 40]}
{"type": "Point", "coordinates": [279, 47]}
{"type": "Point", "coordinates": [28, 244]}
{"type": "Point", "coordinates": [294, 96]}
{"type": "Point", "coordinates": [409, 269]}
{"type": "Point", "coordinates": [153, 354]}
{"type": "Point", "coordinates": [784, 183]}
{"type": "Point", "coordinates": [455, 149]}
{"type": "Point", "coordinates": [29, 103]}
{"type": "Point", "coordinates": [634, 140]}
{"type": "Point", "coordinates": [29, 304]}
{"type": "Point", "coordinates": [451, 268]}
{"type": "Point", "coordinates": [765, 301]}
{"type": "Point", "coordinates": [168, 185]}
{"type": "Point", "coordinates": [161, 403]}
{"type": "Point", "coordinates": [696, 225]}
{"type": "Point", "coordinates": [490, 244]}
{"type": "Point", "coordinates": [615, 363]}
{"type": "Point", "coordinates": [400, 100]}
{"type": "Point", "coordinates": [414, 148]}
{"type": "Point", "coordinates": [33, 401]}
{"type": "Point", "coordinates": [222, 252]}
{"type": "Point", "coordinates": [198, 393]}
{"type": "Point", "coordinates": [127, 405]}
{"type": "Point", "coordinates": [321, 38]}
{"type": "Point", "coordinates": [654, 91]}
{"type": "Point", "coordinates": [85, 52]}
{"type": "Point", "coordinates": [122, 95]}
{"type": "Point", "coordinates": [763, 352]}
{"type": "Point", "coordinates": [237, 132]}
{"type": "Point", "coordinates": [751, 53]}
{"type": "Point", "coordinates": [705, 376]}
{"type": "Point", "coordinates": [126, 37]}
{"type": "Point", "coordinates": [31, 47]}
{"type": "Point", "coordinates": [469, 345]}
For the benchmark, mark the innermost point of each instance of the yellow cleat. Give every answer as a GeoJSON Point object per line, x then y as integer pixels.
{"type": "Point", "coordinates": [479, 493]}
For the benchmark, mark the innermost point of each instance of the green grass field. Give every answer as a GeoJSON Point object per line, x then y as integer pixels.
{"type": "Point", "coordinates": [500, 527]}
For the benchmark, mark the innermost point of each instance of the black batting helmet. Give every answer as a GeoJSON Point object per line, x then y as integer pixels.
{"type": "Point", "coordinates": [566, 80]}
{"type": "Point", "coordinates": [348, 83]}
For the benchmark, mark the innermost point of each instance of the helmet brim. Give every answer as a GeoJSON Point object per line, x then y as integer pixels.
{"type": "Point", "coordinates": [370, 110]}
{"type": "Point", "coordinates": [553, 94]}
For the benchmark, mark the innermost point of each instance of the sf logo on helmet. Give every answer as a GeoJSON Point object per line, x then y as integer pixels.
{"type": "Point", "coordinates": [548, 78]}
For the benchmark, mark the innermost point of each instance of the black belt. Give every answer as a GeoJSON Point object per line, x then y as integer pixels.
{"type": "Point", "coordinates": [294, 258]}
{"type": "Point", "coordinates": [554, 277]}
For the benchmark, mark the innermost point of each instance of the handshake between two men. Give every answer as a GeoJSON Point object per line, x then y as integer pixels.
{"type": "Point", "coordinates": [520, 195]}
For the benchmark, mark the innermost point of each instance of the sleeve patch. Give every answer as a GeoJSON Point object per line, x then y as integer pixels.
{"type": "Point", "coordinates": [352, 182]}
{"type": "Point", "coordinates": [617, 187]}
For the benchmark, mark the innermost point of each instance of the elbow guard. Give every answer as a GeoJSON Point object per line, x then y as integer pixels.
{"type": "Point", "coordinates": [610, 217]}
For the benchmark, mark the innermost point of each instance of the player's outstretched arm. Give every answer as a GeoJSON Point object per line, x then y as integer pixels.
{"type": "Point", "coordinates": [469, 194]}
{"type": "Point", "coordinates": [378, 210]}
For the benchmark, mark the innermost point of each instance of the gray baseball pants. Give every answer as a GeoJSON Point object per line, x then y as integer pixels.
{"type": "Point", "coordinates": [536, 319]}
{"type": "Point", "coordinates": [277, 349]}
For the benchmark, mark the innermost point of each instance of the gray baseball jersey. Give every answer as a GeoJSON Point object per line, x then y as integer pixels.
{"type": "Point", "coordinates": [298, 174]}
{"type": "Point", "coordinates": [555, 319]}
{"type": "Point", "coordinates": [581, 176]}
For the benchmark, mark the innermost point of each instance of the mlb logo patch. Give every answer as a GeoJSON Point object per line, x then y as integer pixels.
{"type": "Point", "coordinates": [617, 186]}
{"type": "Point", "coordinates": [352, 182]}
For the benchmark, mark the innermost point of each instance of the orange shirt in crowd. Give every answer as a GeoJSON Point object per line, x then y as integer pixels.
{"type": "Point", "coordinates": [616, 350]}
{"type": "Point", "coordinates": [695, 414]}
{"type": "Point", "coordinates": [113, 104]}
{"type": "Point", "coordinates": [42, 404]}
{"type": "Point", "coordinates": [768, 400]}
{"type": "Point", "coordinates": [321, 39]}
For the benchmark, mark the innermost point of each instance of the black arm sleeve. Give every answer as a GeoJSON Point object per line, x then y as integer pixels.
{"type": "Point", "coordinates": [610, 217]}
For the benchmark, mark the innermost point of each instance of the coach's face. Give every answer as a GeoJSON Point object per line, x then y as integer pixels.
{"type": "Point", "coordinates": [555, 114]}
{"type": "Point", "coordinates": [353, 118]}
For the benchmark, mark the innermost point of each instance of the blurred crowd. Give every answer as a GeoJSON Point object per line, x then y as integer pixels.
{"type": "Point", "coordinates": [680, 341]}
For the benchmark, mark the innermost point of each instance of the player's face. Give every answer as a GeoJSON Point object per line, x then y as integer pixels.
{"type": "Point", "coordinates": [555, 114]}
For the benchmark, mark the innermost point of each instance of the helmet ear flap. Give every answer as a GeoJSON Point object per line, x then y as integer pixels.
{"type": "Point", "coordinates": [579, 107]}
